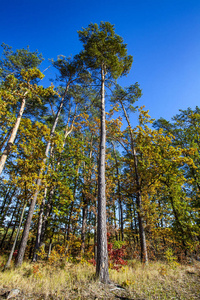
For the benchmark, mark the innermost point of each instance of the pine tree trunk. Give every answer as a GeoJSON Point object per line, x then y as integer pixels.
{"type": "Point", "coordinates": [12, 136]}
{"type": "Point", "coordinates": [102, 252]}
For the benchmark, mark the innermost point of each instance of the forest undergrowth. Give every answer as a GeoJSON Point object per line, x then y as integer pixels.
{"type": "Point", "coordinates": [65, 279]}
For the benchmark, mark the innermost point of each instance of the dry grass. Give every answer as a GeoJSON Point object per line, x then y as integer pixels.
{"type": "Point", "coordinates": [76, 281]}
{"type": "Point", "coordinates": [160, 281]}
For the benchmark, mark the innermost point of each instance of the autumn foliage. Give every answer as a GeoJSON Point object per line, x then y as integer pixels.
{"type": "Point", "coordinates": [50, 154]}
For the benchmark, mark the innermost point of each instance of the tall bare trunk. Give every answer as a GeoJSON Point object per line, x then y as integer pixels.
{"type": "Point", "coordinates": [102, 252]}
{"type": "Point", "coordinates": [12, 136]}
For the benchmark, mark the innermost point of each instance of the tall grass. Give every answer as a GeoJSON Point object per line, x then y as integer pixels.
{"type": "Point", "coordinates": [67, 280]}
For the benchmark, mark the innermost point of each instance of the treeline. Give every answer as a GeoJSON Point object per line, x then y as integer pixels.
{"type": "Point", "coordinates": [52, 153]}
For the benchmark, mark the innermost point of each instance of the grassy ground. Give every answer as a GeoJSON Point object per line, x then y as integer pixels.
{"type": "Point", "coordinates": [76, 281]}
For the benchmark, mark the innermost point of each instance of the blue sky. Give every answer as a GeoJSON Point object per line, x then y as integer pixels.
{"type": "Point", "coordinates": [162, 35]}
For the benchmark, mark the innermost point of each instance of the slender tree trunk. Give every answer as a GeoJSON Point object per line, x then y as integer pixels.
{"type": "Point", "coordinates": [102, 252]}
{"type": "Point", "coordinates": [7, 201]}
{"type": "Point", "coordinates": [121, 219]}
{"type": "Point", "coordinates": [85, 203]}
{"type": "Point", "coordinates": [144, 256]}
{"type": "Point", "coordinates": [11, 236]}
{"type": "Point", "coordinates": [24, 240]}
{"type": "Point", "coordinates": [50, 247]}
{"type": "Point", "coordinates": [136, 225]}
{"type": "Point", "coordinates": [119, 196]}
{"type": "Point", "coordinates": [39, 229]}
{"type": "Point", "coordinates": [14, 227]}
{"type": "Point", "coordinates": [31, 248]}
{"type": "Point", "coordinates": [72, 206]}
{"type": "Point", "coordinates": [9, 224]}
{"type": "Point", "coordinates": [180, 227]}
{"type": "Point", "coordinates": [47, 213]}
{"type": "Point", "coordinates": [12, 136]}
{"type": "Point", "coordinates": [95, 228]}
{"type": "Point", "coordinates": [177, 218]}
{"type": "Point", "coordinates": [5, 196]}
{"type": "Point", "coordinates": [89, 222]}
{"type": "Point", "coordinates": [84, 224]}
{"type": "Point", "coordinates": [3, 142]}
{"type": "Point", "coordinates": [15, 241]}
{"type": "Point", "coordinates": [42, 221]}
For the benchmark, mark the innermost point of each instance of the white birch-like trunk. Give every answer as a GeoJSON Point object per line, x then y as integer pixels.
{"type": "Point", "coordinates": [12, 136]}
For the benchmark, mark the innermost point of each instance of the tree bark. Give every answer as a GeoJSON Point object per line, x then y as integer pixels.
{"type": "Point", "coordinates": [12, 136]}
{"type": "Point", "coordinates": [102, 252]}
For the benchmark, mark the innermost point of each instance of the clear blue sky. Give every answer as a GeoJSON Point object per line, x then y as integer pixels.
{"type": "Point", "coordinates": [162, 35]}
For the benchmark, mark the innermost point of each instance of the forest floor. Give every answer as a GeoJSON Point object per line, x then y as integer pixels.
{"type": "Point", "coordinates": [66, 280]}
